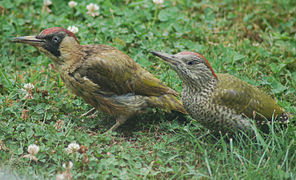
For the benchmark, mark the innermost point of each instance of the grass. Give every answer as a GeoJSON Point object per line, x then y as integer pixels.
{"type": "Point", "coordinates": [252, 40]}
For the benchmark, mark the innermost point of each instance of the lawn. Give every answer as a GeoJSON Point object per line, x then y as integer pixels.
{"type": "Point", "coordinates": [252, 40]}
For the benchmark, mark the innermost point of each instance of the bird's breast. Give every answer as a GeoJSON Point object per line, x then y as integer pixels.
{"type": "Point", "coordinates": [194, 102]}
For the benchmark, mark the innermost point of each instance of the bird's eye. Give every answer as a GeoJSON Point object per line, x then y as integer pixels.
{"type": "Point", "coordinates": [192, 62]}
{"type": "Point", "coordinates": [56, 39]}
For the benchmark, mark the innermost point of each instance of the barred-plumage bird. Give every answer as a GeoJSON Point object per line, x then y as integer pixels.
{"type": "Point", "coordinates": [220, 102]}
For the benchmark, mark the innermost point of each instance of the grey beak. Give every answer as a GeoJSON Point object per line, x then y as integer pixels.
{"type": "Point", "coordinates": [31, 40]}
{"type": "Point", "coordinates": [168, 58]}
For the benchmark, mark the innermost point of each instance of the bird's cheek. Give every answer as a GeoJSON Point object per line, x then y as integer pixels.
{"type": "Point", "coordinates": [67, 55]}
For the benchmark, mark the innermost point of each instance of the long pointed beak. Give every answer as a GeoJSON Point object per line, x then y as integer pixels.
{"type": "Point", "coordinates": [31, 40]}
{"type": "Point", "coordinates": [170, 59]}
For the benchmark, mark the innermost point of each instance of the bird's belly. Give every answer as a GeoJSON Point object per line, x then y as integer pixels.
{"type": "Point", "coordinates": [213, 116]}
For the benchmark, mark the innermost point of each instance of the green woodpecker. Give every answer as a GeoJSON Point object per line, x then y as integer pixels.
{"type": "Point", "coordinates": [221, 102]}
{"type": "Point", "coordinates": [103, 76]}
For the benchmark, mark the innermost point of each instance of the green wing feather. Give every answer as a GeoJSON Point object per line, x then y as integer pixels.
{"type": "Point", "coordinates": [113, 71]}
{"type": "Point", "coordinates": [244, 98]}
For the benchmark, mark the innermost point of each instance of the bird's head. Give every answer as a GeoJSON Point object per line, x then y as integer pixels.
{"type": "Point", "coordinates": [56, 42]}
{"type": "Point", "coordinates": [190, 66]}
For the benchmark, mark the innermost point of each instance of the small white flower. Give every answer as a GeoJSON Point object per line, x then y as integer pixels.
{"type": "Point", "coordinates": [72, 148]}
{"type": "Point", "coordinates": [29, 86]}
{"type": "Point", "coordinates": [72, 4]}
{"type": "Point", "coordinates": [33, 149]}
{"type": "Point", "coordinates": [92, 8]}
{"type": "Point", "coordinates": [73, 29]}
{"type": "Point", "coordinates": [47, 2]}
{"type": "Point", "coordinates": [256, 44]}
{"type": "Point", "coordinates": [158, 1]}
{"type": "Point", "coordinates": [45, 7]}
{"type": "Point", "coordinates": [28, 90]}
{"type": "Point", "coordinates": [70, 165]}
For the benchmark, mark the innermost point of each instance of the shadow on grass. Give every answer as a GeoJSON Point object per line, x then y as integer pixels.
{"type": "Point", "coordinates": [145, 122]}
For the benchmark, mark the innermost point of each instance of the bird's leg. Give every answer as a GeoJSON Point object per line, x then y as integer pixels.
{"type": "Point", "coordinates": [93, 115]}
{"type": "Point", "coordinates": [88, 112]}
{"type": "Point", "coordinates": [119, 121]}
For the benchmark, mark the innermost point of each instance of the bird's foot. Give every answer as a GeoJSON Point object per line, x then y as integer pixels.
{"type": "Point", "coordinates": [89, 113]}
{"type": "Point", "coordinates": [119, 121]}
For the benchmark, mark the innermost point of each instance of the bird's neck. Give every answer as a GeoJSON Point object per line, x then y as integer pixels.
{"type": "Point", "coordinates": [200, 87]}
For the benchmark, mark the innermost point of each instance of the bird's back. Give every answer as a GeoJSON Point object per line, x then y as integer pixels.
{"type": "Point", "coordinates": [244, 98]}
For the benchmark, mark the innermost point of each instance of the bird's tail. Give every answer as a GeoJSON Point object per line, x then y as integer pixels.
{"type": "Point", "coordinates": [167, 102]}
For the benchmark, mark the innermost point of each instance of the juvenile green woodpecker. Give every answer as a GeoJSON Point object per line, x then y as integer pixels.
{"type": "Point", "coordinates": [220, 102]}
{"type": "Point", "coordinates": [103, 76]}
